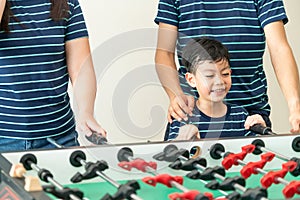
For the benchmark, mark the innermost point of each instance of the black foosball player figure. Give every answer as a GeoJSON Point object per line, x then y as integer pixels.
{"type": "Point", "coordinates": [95, 169]}
{"type": "Point", "coordinates": [199, 170]}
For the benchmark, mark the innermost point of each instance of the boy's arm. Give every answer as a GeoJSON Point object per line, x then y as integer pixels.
{"type": "Point", "coordinates": [180, 104]}
{"type": "Point", "coordinates": [286, 70]}
{"type": "Point", "coordinates": [188, 132]}
{"type": "Point", "coordinates": [254, 119]}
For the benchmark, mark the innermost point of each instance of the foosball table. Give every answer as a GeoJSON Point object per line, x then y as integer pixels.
{"type": "Point", "coordinates": [265, 167]}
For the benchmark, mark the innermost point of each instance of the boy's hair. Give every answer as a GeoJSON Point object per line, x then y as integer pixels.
{"type": "Point", "coordinates": [203, 49]}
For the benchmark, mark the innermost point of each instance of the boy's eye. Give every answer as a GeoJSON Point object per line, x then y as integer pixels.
{"type": "Point", "coordinates": [209, 75]}
{"type": "Point", "coordinates": [225, 74]}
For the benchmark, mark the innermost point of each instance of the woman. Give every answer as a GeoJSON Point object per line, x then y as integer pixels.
{"type": "Point", "coordinates": [43, 44]}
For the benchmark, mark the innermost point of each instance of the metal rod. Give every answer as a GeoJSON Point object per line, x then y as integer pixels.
{"type": "Point", "coordinates": [109, 180]}
{"type": "Point", "coordinates": [52, 141]}
{"type": "Point", "coordinates": [51, 180]}
{"type": "Point", "coordinates": [278, 155]}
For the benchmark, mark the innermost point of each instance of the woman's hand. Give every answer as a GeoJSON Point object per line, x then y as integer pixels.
{"type": "Point", "coordinates": [87, 125]}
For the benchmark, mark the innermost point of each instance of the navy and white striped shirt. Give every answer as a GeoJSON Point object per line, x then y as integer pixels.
{"type": "Point", "coordinates": [238, 24]}
{"type": "Point", "coordinates": [230, 125]}
{"type": "Point", "coordinates": [33, 74]}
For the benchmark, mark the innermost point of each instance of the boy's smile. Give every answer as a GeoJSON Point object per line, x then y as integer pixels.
{"type": "Point", "coordinates": [219, 91]}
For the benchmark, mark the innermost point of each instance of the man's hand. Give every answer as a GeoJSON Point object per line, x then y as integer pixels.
{"type": "Point", "coordinates": [295, 121]}
{"type": "Point", "coordinates": [180, 106]}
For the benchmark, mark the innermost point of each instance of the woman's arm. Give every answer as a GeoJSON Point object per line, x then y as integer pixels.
{"type": "Point", "coordinates": [83, 78]}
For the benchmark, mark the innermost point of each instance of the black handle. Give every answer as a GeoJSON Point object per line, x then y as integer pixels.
{"type": "Point", "coordinates": [262, 130]}
{"type": "Point", "coordinates": [96, 139]}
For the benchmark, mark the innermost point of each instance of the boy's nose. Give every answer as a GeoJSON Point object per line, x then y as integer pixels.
{"type": "Point", "coordinates": [219, 80]}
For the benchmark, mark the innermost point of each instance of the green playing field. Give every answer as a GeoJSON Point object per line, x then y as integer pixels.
{"type": "Point", "coordinates": [95, 191]}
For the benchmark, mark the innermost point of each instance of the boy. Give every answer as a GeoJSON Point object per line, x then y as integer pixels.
{"type": "Point", "coordinates": [246, 28]}
{"type": "Point", "coordinates": [208, 70]}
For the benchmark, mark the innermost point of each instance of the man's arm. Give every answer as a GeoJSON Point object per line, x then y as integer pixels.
{"type": "Point", "coordinates": [286, 70]}
{"type": "Point", "coordinates": [168, 75]}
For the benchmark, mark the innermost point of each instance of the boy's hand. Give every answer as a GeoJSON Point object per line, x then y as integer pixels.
{"type": "Point", "coordinates": [254, 119]}
{"type": "Point", "coordinates": [188, 132]}
{"type": "Point", "coordinates": [180, 106]}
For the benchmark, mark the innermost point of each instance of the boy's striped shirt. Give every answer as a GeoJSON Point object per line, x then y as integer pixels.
{"type": "Point", "coordinates": [230, 125]}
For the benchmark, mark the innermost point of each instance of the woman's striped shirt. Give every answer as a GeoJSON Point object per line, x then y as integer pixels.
{"type": "Point", "coordinates": [33, 74]}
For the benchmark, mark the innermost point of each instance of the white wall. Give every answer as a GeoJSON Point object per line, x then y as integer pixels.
{"type": "Point", "coordinates": [131, 105]}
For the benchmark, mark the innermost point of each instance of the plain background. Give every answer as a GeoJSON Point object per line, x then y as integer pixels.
{"type": "Point", "coordinates": [131, 105]}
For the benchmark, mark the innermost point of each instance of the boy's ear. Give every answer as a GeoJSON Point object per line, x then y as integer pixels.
{"type": "Point", "coordinates": [191, 79]}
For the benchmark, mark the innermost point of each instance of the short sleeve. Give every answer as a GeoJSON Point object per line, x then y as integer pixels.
{"type": "Point", "coordinates": [270, 11]}
{"type": "Point", "coordinates": [167, 12]}
{"type": "Point", "coordinates": [76, 27]}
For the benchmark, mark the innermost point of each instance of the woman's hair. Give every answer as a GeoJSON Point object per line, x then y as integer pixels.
{"type": "Point", "coordinates": [203, 49]}
{"type": "Point", "coordinates": [59, 10]}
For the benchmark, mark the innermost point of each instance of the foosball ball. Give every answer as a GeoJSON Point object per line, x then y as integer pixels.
{"type": "Point", "coordinates": [265, 167]}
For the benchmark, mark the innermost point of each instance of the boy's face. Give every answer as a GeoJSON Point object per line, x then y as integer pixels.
{"type": "Point", "coordinates": [212, 80]}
